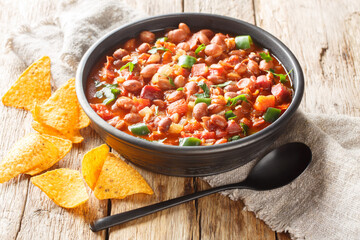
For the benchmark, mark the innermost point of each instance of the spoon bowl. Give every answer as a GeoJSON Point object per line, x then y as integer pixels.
{"type": "Point", "coordinates": [276, 169]}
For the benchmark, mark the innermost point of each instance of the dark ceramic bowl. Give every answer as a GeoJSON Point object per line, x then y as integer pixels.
{"type": "Point", "coordinates": [189, 161]}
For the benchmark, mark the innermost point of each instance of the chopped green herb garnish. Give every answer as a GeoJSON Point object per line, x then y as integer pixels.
{"type": "Point", "coordinates": [163, 39]}
{"type": "Point", "coordinates": [243, 42]}
{"type": "Point", "coordinates": [233, 101]}
{"type": "Point", "coordinates": [180, 89]}
{"type": "Point", "coordinates": [130, 65]}
{"type": "Point", "coordinates": [109, 91]}
{"type": "Point", "coordinates": [205, 88]}
{"type": "Point", "coordinates": [155, 49]}
{"type": "Point", "coordinates": [282, 77]}
{"type": "Point", "coordinates": [271, 114]}
{"type": "Point", "coordinates": [266, 56]}
{"type": "Point", "coordinates": [186, 61]}
{"type": "Point", "coordinates": [233, 138]}
{"type": "Point", "coordinates": [230, 115]}
{"type": "Point", "coordinates": [199, 49]}
{"type": "Point", "coordinates": [221, 85]}
{"type": "Point", "coordinates": [245, 128]}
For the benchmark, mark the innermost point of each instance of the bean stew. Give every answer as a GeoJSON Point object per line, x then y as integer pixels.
{"type": "Point", "coordinates": [189, 88]}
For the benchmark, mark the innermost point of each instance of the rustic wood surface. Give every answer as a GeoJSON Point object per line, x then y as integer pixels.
{"type": "Point", "coordinates": [322, 34]}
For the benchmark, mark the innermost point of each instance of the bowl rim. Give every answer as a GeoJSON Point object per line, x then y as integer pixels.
{"type": "Point", "coordinates": [153, 146]}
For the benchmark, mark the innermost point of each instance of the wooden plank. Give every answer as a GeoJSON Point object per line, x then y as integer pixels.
{"type": "Point", "coordinates": [176, 223]}
{"type": "Point", "coordinates": [27, 213]}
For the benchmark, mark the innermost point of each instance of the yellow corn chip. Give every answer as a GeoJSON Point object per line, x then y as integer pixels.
{"type": "Point", "coordinates": [63, 145]}
{"type": "Point", "coordinates": [84, 121]}
{"type": "Point", "coordinates": [32, 151]}
{"type": "Point", "coordinates": [92, 164]}
{"type": "Point", "coordinates": [119, 180]}
{"type": "Point", "coordinates": [33, 86]}
{"type": "Point", "coordinates": [61, 113]}
{"type": "Point", "coordinates": [64, 186]}
{"type": "Point", "coordinates": [50, 131]}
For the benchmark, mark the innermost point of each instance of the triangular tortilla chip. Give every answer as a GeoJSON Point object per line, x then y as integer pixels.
{"type": "Point", "coordinates": [92, 164]}
{"type": "Point", "coordinates": [84, 121]}
{"type": "Point", "coordinates": [119, 180]}
{"type": "Point", "coordinates": [32, 151]}
{"type": "Point", "coordinates": [33, 86]}
{"type": "Point", "coordinates": [64, 186]}
{"type": "Point", "coordinates": [61, 112]}
{"type": "Point", "coordinates": [63, 145]}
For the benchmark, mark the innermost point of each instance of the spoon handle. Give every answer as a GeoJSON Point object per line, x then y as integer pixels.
{"type": "Point", "coordinates": [120, 218]}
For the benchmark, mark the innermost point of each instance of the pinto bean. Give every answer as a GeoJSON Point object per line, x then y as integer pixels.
{"type": "Point", "coordinates": [253, 67]}
{"type": "Point", "coordinates": [121, 125]}
{"type": "Point", "coordinates": [160, 103]}
{"type": "Point", "coordinates": [255, 57]}
{"type": "Point", "coordinates": [164, 124]}
{"type": "Point", "coordinates": [184, 27]}
{"type": "Point", "coordinates": [143, 48]}
{"type": "Point", "coordinates": [240, 53]}
{"type": "Point", "coordinates": [203, 39]}
{"type": "Point", "coordinates": [219, 39]}
{"type": "Point", "coordinates": [240, 68]}
{"type": "Point", "coordinates": [207, 32]}
{"type": "Point", "coordinates": [132, 85]}
{"type": "Point", "coordinates": [120, 53]}
{"type": "Point", "coordinates": [147, 37]}
{"type": "Point", "coordinates": [179, 81]}
{"type": "Point", "coordinates": [199, 111]}
{"type": "Point", "coordinates": [154, 58]}
{"type": "Point", "coordinates": [210, 60]}
{"type": "Point", "coordinates": [214, 50]}
{"type": "Point", "coordinates": [130, 44]}
{"type": "Point", "coordinates": [219, 121]}
{"type": "Point", "coordinates": [231, 88]}
{"type": "Point", "coordinates": [176, 95]}
{"type": "Point", "coordinates": [215, 108]}
{"type": "Point", "coordinates": [184, 46]}
{"type": "Point", "coordinates": [191, 88]}
{"type": "Point", "coordinates": [114, 121]}
{"type": "Point", "coordinates": [230, 94]}
{"type": "Point", "coordinates": [163, 82]}
{"type": "Point", "coordinates": [177, 35]}
{"type": "Point", "coordinates": [124, 103]}
{"type": "Point", "coordinates": [149, 70]}
{"type": "Point", "coordinates": [132, 118]}
{"type": "Point", "coordinates": [216, 79]}
{"type": "Point", "coordinates": [265, 66]}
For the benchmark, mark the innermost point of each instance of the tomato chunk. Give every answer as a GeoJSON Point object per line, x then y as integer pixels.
{"type": "Point", "coordinates": [199, 69]}
{"type": "Point", "coordinates": [151, 93]}
{"type": "Point", "coordinates": [102, 111]}
{"type": "Point", "coordinates": [179, 106]}
{"type": "Point", "coordinates": [140, 103]}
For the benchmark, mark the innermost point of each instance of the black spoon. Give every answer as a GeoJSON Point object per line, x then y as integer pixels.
{"type": "Point", "coordinates": [278, 168]}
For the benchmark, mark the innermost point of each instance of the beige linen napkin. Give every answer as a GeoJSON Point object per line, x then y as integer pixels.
{"type": "Point", "coordinates": [324, 203]}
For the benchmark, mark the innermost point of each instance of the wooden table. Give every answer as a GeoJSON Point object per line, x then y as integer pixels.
{"type": "Point", "coordinates": [324, 35]}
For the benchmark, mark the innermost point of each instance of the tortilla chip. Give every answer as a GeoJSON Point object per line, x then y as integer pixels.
{"type": "Point", "coordinates": [92, 164]}
{"type": "Point", "coordinates": [84, 121]}
{"type": "Point", "coordinates": [119, 180]}
{"type": "Point", "coordinates": [64, 186]}
{"type": "Point", "coordinates": [32, 151]}
{"type": "Point", "coordinates": [63, 145]}
{"type": "Point", "coordinates": [33, 86]}
{"type": "Point", "coordinates": [61, 113]}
